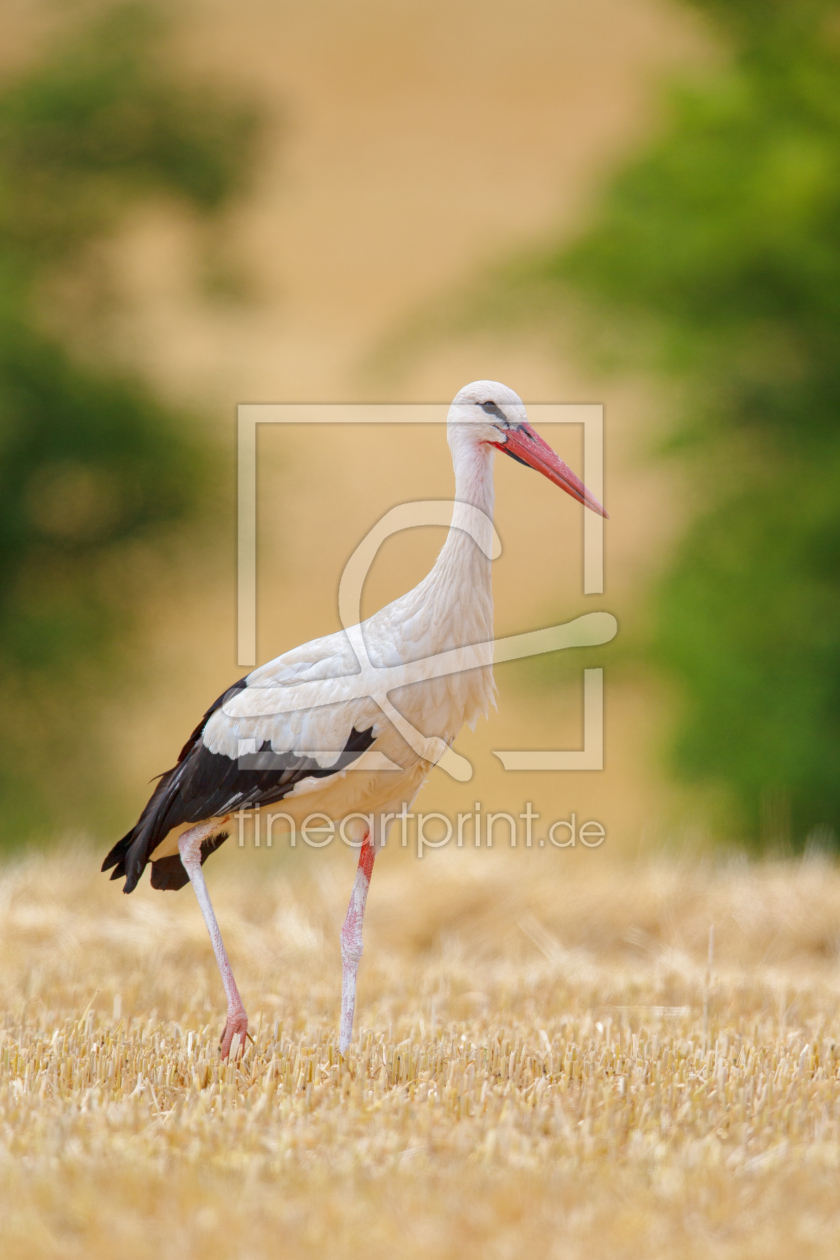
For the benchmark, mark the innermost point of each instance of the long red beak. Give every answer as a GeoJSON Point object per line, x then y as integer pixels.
{"type": "Point", "coordinates": [529, 448]}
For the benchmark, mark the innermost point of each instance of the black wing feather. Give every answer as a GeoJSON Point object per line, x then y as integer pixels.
{"type": "Point", "coordinates": [116, 856]}
{"type": "Point", "coordinates": [168, 873]}
{"type": "Point", "coordinates": [203, 785]}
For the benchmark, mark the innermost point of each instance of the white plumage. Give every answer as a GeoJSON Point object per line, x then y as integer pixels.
{"type": "Point", "coordinates": [351, 723]}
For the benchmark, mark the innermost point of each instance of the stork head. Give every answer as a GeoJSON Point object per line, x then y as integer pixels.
{"type": "Point", "coordinates": [487, 413]}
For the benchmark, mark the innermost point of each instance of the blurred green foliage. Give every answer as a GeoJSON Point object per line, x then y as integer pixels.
{"type": "Point", "coordinates": [716, 259]}
{"type": "Point", "coordinates": [91, 464]}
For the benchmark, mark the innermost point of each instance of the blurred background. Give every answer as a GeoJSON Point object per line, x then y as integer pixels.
{"type": "Point", "coordinates": [634, 202]}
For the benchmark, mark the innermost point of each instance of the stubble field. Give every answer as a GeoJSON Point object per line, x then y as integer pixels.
{"type": "Point", "coordinates": [544, 1063]}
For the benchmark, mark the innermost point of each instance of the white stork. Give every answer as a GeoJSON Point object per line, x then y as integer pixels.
{"type": "Point", "coordinates": [451, 609]}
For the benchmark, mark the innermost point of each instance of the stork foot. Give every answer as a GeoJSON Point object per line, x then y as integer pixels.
{"type": "Point", "coordinates": [236, 1025]}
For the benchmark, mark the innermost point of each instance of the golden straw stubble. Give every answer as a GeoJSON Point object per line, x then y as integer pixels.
{"type": "Point", "coordinates": [558, 1071]}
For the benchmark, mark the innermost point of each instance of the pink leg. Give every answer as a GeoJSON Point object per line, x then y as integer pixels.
{"type": "Point", "coordinates": [189, 846]}
{"type": "Point", "coordinates": [351, 942]}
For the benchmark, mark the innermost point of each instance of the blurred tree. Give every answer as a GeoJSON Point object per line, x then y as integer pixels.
{"type": "Point", "coordinates": [716, 257]}
{"type": "Point", "coordinates": [91, 464]}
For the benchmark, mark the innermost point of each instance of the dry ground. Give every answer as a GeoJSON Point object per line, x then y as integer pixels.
{"type": "Point", "coordinates": [542, 1066]}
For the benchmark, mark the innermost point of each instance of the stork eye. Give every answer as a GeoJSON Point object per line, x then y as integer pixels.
{"type": "Point", "coordinates": [493, 410]}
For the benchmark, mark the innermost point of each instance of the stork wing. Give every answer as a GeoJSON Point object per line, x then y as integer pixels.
{"type": "Point", "coordinates": [236, 762]}
{"type": "Point", "coordinates": [249, 719]}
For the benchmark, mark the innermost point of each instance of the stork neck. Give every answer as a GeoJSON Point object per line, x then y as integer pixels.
{"type": "Point", "coordinates": [474, 475]}
{"type": "Point", "coordinates": [473, 489]}
{"type": "Point", "coordinates": [454, 602]}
